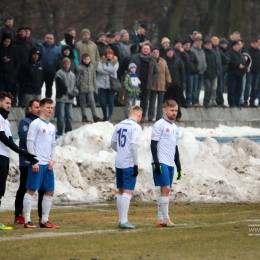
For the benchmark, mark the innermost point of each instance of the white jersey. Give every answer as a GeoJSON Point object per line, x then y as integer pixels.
{"type": "Point", "coordinates": [167, 135]}
{"type": "Point", "coordinates": [43, 135]}
{"type": "Point", "coordinates": [127, 132]}
{"type": "Point", "coordinates": [5, 127]}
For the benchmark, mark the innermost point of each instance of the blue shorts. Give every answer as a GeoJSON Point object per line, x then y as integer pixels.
{"type": "Point", "coordinates": [43, 180]}
{"type": "Point", "coordinates": [166, 178]}
{"type": "Point", "coordinates": [124, 178]}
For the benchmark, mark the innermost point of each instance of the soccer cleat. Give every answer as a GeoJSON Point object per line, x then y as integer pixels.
{"type": "Point", "coordinates": [30, 225]}
{"type": "Point", "coordinates": [3, 227]}
{"type": "Point", "coordinates": [127, 225]}
{"type": "Point", "coordinates": [168, 223]}
{"type": "Point", "coordinates": [19, 219]}
{"type": "Point", "coordinates": [48, 225]}
{"type": "Point", "coordinates": [159, 224]}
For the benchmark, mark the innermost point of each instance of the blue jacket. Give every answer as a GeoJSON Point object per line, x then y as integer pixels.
{"type": "Point", "coordinates": [49, 53]}
{"type": "Point", "coordinates": [22, 133]}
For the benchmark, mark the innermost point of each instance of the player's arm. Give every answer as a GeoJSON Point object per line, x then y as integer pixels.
{"type": "Point", "coordinates": [156, 135]}
{"type": "Point", "coordinates": [113, 143]}
{"type": "Point", "coordinates": [136, 138]}
{"type": "Point", "coordinates": [178, 163]}
{"type": "Point", "coordinates": [23, 131]}
{"type": "Point", "coordinates": [30, 149]}
{"type": "Point", "coordinates": [53, 152]}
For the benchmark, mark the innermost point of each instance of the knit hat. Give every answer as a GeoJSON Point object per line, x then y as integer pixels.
{"type": "Point", "coordinates": [108, 51]}
{"type": "Point", "coordinates": [223, 41]}
{"type": "Point", "coordinates": [101, 34]}
{"type": "Point", "coordinates": [234, 43]}
{"type": "Point", "coordinates": [186, 41]}
{"type": "Point", "coordinates": [132, 65]}
{"type": "Point", "coordinates": [165, 39]}
{"type": "Point", "coordinates": [177, 41]}
{"type": "Point", "coordinates": [21, 28]}
{"type": "Point", "coordinates": [122, 32]}
{"type": "Point", "coordinates": [66, 60]}
{"type": "Point", "coordinates": [169, 49]}
{"type": "Point", "coordinates": [115, 32]}
{"type": "Point", "coordinates": [85, 31]}
{"type": "Point", "coordinates": [197, 39]}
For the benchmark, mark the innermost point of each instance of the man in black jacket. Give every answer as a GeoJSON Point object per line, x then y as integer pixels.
{"type": "Point", "coordinates": [8, 27]}
{"type": "Point", "coordinates": [139, 37]}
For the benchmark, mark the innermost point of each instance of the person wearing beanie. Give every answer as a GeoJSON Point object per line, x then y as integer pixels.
{"type": "Point", "coordinates": [139, 36]}
{"type": "Point", "coordinates": [132, 87]}
{"type": "Point", "coordinates": [66, 91]}
{"type": "Point", "coordinates": [125, 44]}
{"type": "Point", "coordinates": [87, 85]}
{"type": "Point", "coordinates": [165, 43]}
{"type": "Point", "coordinates": [107, 67]}
{"type": "Point", "coordinates": [102, 43]}
{"type": "Point", "coordinates": [85, 45]}
{"type": "Point", "coordinates": [116, 35]}
{"type": "Point", "coordinates": [8, 27]}
{"type": "Point", "coordinates": [193, 35]}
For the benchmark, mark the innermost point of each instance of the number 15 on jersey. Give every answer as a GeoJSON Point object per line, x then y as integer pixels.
{"type": "Point", "coordinates": [121, 137]}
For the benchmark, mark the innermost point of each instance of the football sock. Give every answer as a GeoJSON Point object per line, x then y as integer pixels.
{"type": "Point", "coordinates": [124, 205]}
{"type": "Point", "coordinates": [164, 203]}
{"type": "Point", "coordinates": [27, 205]}
{"type": "Point", "coordinates": [118, 202]}
{"type": "Point", "coordinates": [46, 207]}
{"type": "Point", "coordinates": [160, 215]}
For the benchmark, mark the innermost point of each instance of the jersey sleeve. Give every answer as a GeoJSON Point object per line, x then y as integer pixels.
{"type": "Point", "coordinates": [54, 135]}
{"type": "Point", "coordinates": [2, 125]}
{"type": "Point", "coordinates": [177, 136]}
{"type": "Point", "coordinates": [156, 132]}
{"type": "Point", "coordinates": [114, 136]}
{"type": "Point", "coordinates": [136, 135]}
{"type": "Point", "coordinates": [32, 132]}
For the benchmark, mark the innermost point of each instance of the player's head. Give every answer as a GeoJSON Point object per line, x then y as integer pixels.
{"type": "Point", "coordinates": [34, 107]}
{"type": "Point", "coordinates": [6, 100]}
{"type": "Point", "coordinates": [136, 113]}
{"type": "Point", "coordinates": [170, 109]}
{"type": "Point", "coordinates": [46, 106]}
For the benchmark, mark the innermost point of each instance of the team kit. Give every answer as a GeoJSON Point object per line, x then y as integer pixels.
{"type": "Point", "coordinates": [37, 150]}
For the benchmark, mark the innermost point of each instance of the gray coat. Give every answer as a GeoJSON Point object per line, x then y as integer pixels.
{"type": "Point", "coordinates": [126, 49]}
{"type": "Point", "coordinates": [106, 69]}
{"type": "Point", "coordinates": [86, 79]}
{"type": "Point", "coordinates": [200, 55]}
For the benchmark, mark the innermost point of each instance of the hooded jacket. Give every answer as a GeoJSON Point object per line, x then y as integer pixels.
{"type": "Point", "coordinates": [31, 73]}
{"type": "Point", "coordinates": [8, 70]}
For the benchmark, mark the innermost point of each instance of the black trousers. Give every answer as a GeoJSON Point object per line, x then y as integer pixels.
{"type": "Point", "coordinates": [4, 170]}
{"type": "Point", "coordinates": [175, 94]}
{"type": "Point", "coordinates": [48, 78]}
{"type": "Point", "coordinates": [21, 191]}
{"type": "Point", "coordinates": [144, 98]}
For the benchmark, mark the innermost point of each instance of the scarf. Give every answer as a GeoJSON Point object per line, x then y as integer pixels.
{"type": "Point", "coordinates": [145, 58]}
{"type": "Point", "coordinates": [4, 113]}
{"type": "Point", "coordinates": [134, 79]}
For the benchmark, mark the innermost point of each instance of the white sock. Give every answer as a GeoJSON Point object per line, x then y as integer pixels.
{"type": "Point", "coordinates": [118, 202]}
{"type": "Point", "coordinates": [124, 205]}
{"type": "Point", "coordinates": [164, 203]}
{"type": "Point", "coordinates": [160, 215]}
{"type": "Point", "coordinates": [46, 207]}
{"type": "Point", "coordinates": [27, 206]}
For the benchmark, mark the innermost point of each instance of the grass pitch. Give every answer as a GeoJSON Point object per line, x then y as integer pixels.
{"type": "Point", "coordinates": [203, 231]}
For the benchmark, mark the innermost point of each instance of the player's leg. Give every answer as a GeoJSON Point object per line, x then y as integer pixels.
{"type": "Point", "coordinates": [119, 184]}
{"type": "Point", "coordinates": [40, 198]}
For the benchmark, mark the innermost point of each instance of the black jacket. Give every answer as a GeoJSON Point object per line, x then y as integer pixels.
{"type": "Point", "coordinates": [255, 56]}
{"type": "Point", "coordinates": [224, 59]}
{"type": "Point", "coordinates": [8, 30]}
{"type": "Point", "coordinates": [136, 39]}
{"type": "Point", "coordinates": [30, 75]}
{"type": "Point", "coordinates": [176, 69]}
{"type": "Point", "coordinates": [236, 58]}
{"type": "Point", "coordinates": [8, 70]}
{"type": "Point", "coordinates": [102, 47]}
{"type": "Point", "coordinates": [162, 52]}
{"type": "Point", "coordinates": [191, 65]}
{"type": "Point", "coordinates": [211, 71]}
{"type": "Point", "coordinates": [216, 51]}
{"type": "Point", "coordinates": [181, 55]}
{"type": "Point", "coordinates": [23, 48]}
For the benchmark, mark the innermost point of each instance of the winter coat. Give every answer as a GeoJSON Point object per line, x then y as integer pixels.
{"type": "Point", "coordinates": [136, 39]}
{"type": "Point", "coordinates": [49, 53]}
{"type": "Point", "coordinates": [126, 52]}
{"type": "Point", "coordinates": [91, 49]}
{"type": "Point", "coordinates": [65, 85]}
{"type": "Point", "coordinates": [105, 69]}
{"type": "Point", "coordinates": [162, 52]}
{"type": "Point", "coordinates": [153, 70]}
{"type": "Point", "coordinates": [131, 91]}
{"type": "Point", "coordinates": [8, 70]}
{"type": "Point", "coordinates": [211, 72]}
{"type": "Point", "coordinates": [8, 30]}
{"type": "Point", "coordinates": [23, 48]}
{"type": "Point", "coordinates": [191, 65]}
{"type": "Point", "coordinates": [31, 74]}
{"type": "Point", "coordinates": [74, 50]}
{"type": "Point", "coordinates": [224, 59]}
{"type": "Point", "coordinates": [164, 77]}
{"type": "Point", "coordinates": [200, 55]}
{"type": "Point", "coordinates": [102, 47]}
{"type": "Point", "coordinates": [255, 56]}
{"type": "Point", "coordinates": [236, 58]}
{"type": "Point", "coordinates": [176, 69]}
{"type": "Point", "coordinates": [183, 56]}
{"type": "Point", "coordinates": [215, 50]}
{"type": "Point", "coordinates": [86, 78]}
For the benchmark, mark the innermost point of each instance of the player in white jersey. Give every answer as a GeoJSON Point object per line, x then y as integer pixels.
{"type": "Point", "coordinates": [41, 141]}
{"type": "Point", "coordinates": [164, 147]}
{"type": "Point", "coordinates": [6, 143]}
{"type": "Point", "coordinates": [125, 140]}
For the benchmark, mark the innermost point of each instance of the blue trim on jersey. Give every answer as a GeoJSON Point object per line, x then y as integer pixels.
{"type": "Point", "coordinates": [166, 178]}
{"type": "Point", "coordinates": [168, 121]}
{"type": "Point", "coordinates": [124, 178]}
{"type": "Point", "coordinates": [131, 119]}
{"type": "Point", "coordinates": [47, 122]}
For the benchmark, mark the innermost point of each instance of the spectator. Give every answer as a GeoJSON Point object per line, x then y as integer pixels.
{"type": "Point", "coordinates": [134, 49]}
{"type": "Point", "coordinates": [102, 43]}
{"type": "Point", "coordinates": [236, 70]}
{"type": "Point", "coordinates": [165, 44]}
{"type": "Point", "coordinates": [7, 28]}
{"type": "Point", "coordinates": [30, 77]}
{"type": "Point", "coordinates": [252, 77]}
{"type": "Point", "coordinates": [193, 35]}
{"type": "Point", "coordinates": [86, 83]}
{"type": "Point", "coordinates": [147, 72]}
{"type": "Point", "coordinates": [117, 36]}
{"type": "Point", "coordinates": [233, 38]}
{"type": "Point", "coordinates": [85, 45]}
{"type": "Point", "coordinates": [160, 86]}
{"type": "Point", "coordinates": [28, 35]}
{"type": "Point", "coordinates": [49, 53]}
{"type": "Point", "coordinates": [178, 79]}
{"type": "Point", "coordinates": [9, 63]}
{"type": "Point", "coordinates": [139, 37]}
{"type": "Point", "coordinates": [202, 65]}
{"type": "Point", "coordinates": [191, 69]}
{"type": "Point", "coordinates": [108, 66]}
{"type": "Point", "coordinates": [125, 44]}
{"type": "Point", "coordinates": [65, 92]}
{"type": "Point", "coordinates": [210, 77]}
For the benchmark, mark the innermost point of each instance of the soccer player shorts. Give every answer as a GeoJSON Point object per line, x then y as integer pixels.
{"type": "Point", "coordinates": [166, 178]}
{"type": "Point", "coordinates": [42, 180]}
{"type": "Point", "coordinates": [124, 178]}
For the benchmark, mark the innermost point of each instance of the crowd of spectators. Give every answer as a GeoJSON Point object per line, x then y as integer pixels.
{"type": "Point", "coordinates": [82, 68]}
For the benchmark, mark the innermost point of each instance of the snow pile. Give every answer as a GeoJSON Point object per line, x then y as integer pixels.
{"type": "Point", "coordinates": [213, 172]}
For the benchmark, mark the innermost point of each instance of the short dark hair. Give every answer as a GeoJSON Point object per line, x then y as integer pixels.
{"type": "Point", "coordinates": [8, 18]}
{"type": "Point", "coordinates": [32, 101]}
{"type": "Point", "coordinates": [45, 101]}
{"type": "Point", "coordinates": [145, 45]}
{"type": "Point", "coordinates": [4, 95]}
{"type": "Point", "coordinates": [71, 29]}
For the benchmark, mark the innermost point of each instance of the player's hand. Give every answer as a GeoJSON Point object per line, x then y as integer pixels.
{"type": "Point", "coordinates": [157, 168]}
{"type": "Point", "coordinates": [50, 164]}
{"type": "Point", "coordinates": [180, 174]}
{"type": "Point", "coordinates": [135, 171]}
{"type": "Point", "coordinates": [35, 168]}
{"type": "Point", "coordinates": [30, 157]}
